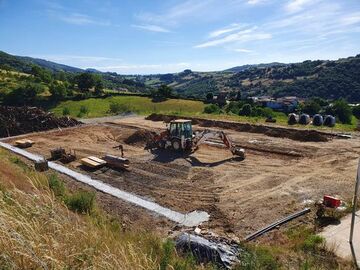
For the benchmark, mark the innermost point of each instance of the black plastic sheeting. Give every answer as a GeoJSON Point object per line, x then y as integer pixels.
{"type": "Point", "coordinates": [222, 254]}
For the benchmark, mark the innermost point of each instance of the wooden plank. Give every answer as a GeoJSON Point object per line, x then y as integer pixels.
{"type": "Point", "coordinates": [90, 163]}
{"type": "Point", "coordinates": [98, 160]}
{"type": "Point", "coordinates": [24, 143]}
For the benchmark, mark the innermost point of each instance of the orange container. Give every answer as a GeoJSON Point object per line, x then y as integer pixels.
{"type": "Point", "coordinates": [330, 201]}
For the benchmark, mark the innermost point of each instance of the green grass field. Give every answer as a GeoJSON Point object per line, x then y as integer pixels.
{"type": "Point", "coordinates": [142, 105]}
{"type": "Point", "coordinates": [98, 107]}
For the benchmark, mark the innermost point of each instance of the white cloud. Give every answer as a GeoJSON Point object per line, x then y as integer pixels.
{"type": "Point", "coordinates": [298, 5]}
{"type": "Point", "coordinates": [65, 57]}
{"type": "Point", "coordinates": [175, 13]}
{"type": "Point", "coordinates": [239, 37]}
{"type": "Point", "coordinates": [243, 50]}
{"type": "Point", "coordinates": [152, 28]}
{"type": "Point", "coordinates": [231, 28]}
{"type": "Point", "coordinates": [256, 2]}
{"type": "Point", "coordinates": [145, 68]}
{"type": "Point", "coordinates": [81, 19]}
{"type": "Point", "coordinates": [352, 18]}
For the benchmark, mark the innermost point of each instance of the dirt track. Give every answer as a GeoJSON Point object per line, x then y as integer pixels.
{"type": "Point", "coordinates": [276, 177]}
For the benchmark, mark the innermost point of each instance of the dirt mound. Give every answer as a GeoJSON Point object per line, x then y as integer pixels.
{"type": "Point", "coordinates": [160, 117]}
{"type": "Point", "coordinates": [140, 137]}
{"type": "Point", "coordinates": [21, 120]}
{"type": "Point", "coordinates": [282, 132]}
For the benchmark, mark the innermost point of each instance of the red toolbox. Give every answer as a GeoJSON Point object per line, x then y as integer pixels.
{"type": "Point", "coordinates": [330, 201]}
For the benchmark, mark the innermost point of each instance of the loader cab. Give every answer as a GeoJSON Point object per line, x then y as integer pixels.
{"type": "Point", "coordinates": [181, 128]}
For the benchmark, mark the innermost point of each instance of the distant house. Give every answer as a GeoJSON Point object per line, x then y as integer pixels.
{"type": "Point", "coordinates": [285, 104]}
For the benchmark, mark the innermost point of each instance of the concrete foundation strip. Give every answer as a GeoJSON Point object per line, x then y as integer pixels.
{"type": "Point", "coordinates": [190, 219]}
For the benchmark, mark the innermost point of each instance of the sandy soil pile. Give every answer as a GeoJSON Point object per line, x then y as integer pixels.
{"type": "Point", "coordinates": [140, 137]}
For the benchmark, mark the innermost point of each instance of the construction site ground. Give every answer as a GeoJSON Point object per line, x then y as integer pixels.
{"type": "Point", "coordinates": [278, 176]}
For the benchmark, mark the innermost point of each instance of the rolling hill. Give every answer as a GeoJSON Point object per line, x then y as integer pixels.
{"type": "Point", "coordinates": [320, 78]}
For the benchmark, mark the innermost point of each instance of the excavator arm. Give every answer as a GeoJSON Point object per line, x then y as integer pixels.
{"type": "Point", "coordinates": [201, 137]}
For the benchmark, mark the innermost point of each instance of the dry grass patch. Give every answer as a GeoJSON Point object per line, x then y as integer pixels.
{"type": "Point", "coordinates": [38, 231]}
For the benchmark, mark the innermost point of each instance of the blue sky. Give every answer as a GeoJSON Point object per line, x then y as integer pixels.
{"type": "Point", "coordinates": [153, 36]}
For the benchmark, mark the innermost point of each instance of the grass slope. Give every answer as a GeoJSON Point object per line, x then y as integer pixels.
{"type": "Point", "coordinates": [39, 232]}
{"type": "Point", "coordinates": [142, 105]}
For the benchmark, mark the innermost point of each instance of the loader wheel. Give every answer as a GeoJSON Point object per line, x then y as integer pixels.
{"type": "Point", "coordinates": [176, 145]}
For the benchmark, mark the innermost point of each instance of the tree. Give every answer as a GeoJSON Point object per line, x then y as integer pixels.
{"type": "Point", "coordinates": [341, 109]}
{"type": "Point", "coordinates": [85, 81]}
{"type": "Point", "coordinates": [245, 110]}
{"type": "Point", "coordinates": [163, 92]}
{"type": "Point", "coordinates": [311, 107]}
{"type": "Point", "coordinates": [212, 108]}
{"type": "Point", "coordinates": [99, 86]}
{"type": "Point", "coordinates": [209, 96]}
{"type": "Point", "coordinates": [356, 111]}
{"type": "Point", "coordinates": [58, 91]}
{"type": "Point", "coordinates": [24, 95]}
{"type": "Point", "coordinates": [41, 73]}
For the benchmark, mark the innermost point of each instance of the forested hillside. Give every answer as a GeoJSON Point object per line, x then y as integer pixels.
{"type": "Point", "coordinates": [62, 72]}
{"type": "Point", "coordinates": [320, 78]}
{"type": "Point", "coordinates": [325, 79]}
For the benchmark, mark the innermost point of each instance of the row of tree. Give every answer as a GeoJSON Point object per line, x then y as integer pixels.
{"type": "Point", "coordinates": [338, 108]}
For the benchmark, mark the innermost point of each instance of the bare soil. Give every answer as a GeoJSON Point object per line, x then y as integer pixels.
{"type": "Point", "coordinates": [276, 178]}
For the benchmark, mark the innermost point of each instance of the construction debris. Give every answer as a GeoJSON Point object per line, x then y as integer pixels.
{"type": "Point", "coordinates": [93, 162]}
{"type": "Point", "coordinates": [57, 153]}
{"type": "Point", "coordinates": [24, 143]}
{"type": "Point", "coordinates": [60, 154]}
{"type": "Point", "coordinates": [223, 255]}
{"type": "Point", "coordinates": [121, 149]}
{"type": "Point", "coordinates": [21, 120]}
{"type": "Point", "coordinates": [330, 206]}
{"type": "Point", "coordinates": [117, 162]}
{"type": "Point", "coordinates": [277, 223]}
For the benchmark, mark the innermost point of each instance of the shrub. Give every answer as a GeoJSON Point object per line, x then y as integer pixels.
{"type": "Point", "coordinates": [212, 108]}
{"type": "Point", "coordinates": [81, 202]}
{"type": "Point", "coordinates": [66, 111]}
{"type": "Point", "coordinates": [312, 243]}
{"type": "Point", "coordinates": [341, 110]}
{"type": "Point", "coordinates": [260, 111]}
{"type": "Point", "coordinates": [116, 107]}
{"type": "Point", "coordinates": [233, 107]}
{"type": "Point", "coordinates": [84, 109]}
{"type": "Point", "coordinates": [168, 248]}
{"type": "Point", "coordinates": [56, 185]}
{"type": "Point", "coordinates": [24, 95]}
{"type": "Point", "coordinates": [311, 107]}
{"type": "Point", "coordinates": [245, 110]}
{"type": "Point", "coordinates": [257, 258]}
{"type": "Point", "coordinates": [356, 111]}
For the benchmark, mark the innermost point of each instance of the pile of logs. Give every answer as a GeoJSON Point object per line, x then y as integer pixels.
{"type": "Point", "coordinates": [21, 120]}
